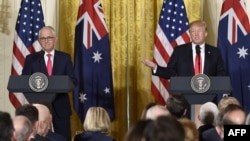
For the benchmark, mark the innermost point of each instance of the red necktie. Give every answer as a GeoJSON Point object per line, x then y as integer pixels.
{"type": "Point", "coordinates": [49, 65]}
{"type": "Point", "coordinates": [198, 65]}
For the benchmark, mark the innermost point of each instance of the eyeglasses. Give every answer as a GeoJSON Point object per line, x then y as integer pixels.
{"type": "Point", "coordinates": [44, 39]}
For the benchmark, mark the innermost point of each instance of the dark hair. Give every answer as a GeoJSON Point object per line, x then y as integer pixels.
{"type": "Point", "coordinates": [208, 118]}
{"type": "Point", "coordinates": [164, 128]}
{"type": "Point", "coordinates": [177, 104]}
{"type": "Point", "coordinates": [135, 133]}
{"type": "Point", "coordinates": [6, 126]}
{"type": "Point", "coordinates": [29, 111]}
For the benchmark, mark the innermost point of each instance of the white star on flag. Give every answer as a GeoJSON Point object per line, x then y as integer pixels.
{"type": "Point", "coordinates": [82, 97]}
{"type": "Point", "coordinates": [107, 90]}
{"type": "Point", "coordinates": [97, 56]}
{"type": "Point", "coordinates": [242, 52]}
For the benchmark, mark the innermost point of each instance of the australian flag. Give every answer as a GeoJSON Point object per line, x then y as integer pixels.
{"type": "Point", "coordinates": [233, 42]}
{"type": "Point", "coordinates": [92, 60]}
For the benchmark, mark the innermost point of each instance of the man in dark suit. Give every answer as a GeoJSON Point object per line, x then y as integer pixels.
{"type": "Point", "coordinates": [182, 61]}
{"type": "Point", "coordinates": [60, 64]}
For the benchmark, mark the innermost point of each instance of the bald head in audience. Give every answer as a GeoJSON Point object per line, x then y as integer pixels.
{"type": "Point", "coordinates": [44, 119]}
{"type": "Point", "coordinates": [23, 128]}
{"type": "Point", "coordinates": [156, 111]}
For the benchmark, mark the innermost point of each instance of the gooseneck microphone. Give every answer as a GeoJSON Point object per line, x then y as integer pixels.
{"type": "Point", "coordinates": [198, 49]}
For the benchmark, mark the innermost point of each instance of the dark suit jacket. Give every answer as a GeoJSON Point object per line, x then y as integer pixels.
{"type": "Point", "coordinates": [39, 138]}
{"type": "Point", "coordinates": [181, 62]}
{"type": "Point", "coordinates": [211, 135]}
{"type": "Point", "coordinates": [62, 66]}
{"type": "Point", "coordinates": [92, 136]}
{"type": "Point", "coordinates": [204, 128]}
{"type": "Point", "coordinates": [55, 137]}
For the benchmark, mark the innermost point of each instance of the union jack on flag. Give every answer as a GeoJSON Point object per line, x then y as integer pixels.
{"type": "Point", "coordinates": [172, 30]}
{"type": "Point", "coordinates": [92, 60]}
{"type": "Point", "coordinates": [29, 21]}
{"type": "Point", "coordinates": [233, 42]}
{"type": "Point", "coordinates": [91, 25]}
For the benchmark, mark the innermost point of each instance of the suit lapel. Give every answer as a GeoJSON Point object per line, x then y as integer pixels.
{"type": "Point", "coordinates": [190, 58]}
{"type": "Point", "coordinates": [55, 62]}
{"type": "Point", "coordinates": [207, 58]}
{"type": "Point", "coordinates": [43, 67]}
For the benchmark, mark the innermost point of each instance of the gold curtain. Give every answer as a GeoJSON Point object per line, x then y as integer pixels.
{"type": "Point", "coordinates": [131, 27]}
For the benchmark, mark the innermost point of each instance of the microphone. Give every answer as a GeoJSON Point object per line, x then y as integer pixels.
{"type": "Point", "coordinates": [198, 49]}
{"type": "Point", "coordinates": [198, 52]}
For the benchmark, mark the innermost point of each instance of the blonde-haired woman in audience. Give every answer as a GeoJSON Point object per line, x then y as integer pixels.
{"type": "Point", "coordinates": [191, 132]}
{"type": "Point", "coordinates": [97, 126]}
{"type": "Point", "coordinates": [227, 100]}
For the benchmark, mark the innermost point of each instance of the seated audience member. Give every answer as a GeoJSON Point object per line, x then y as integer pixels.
{"type": "Point", "coordinates": [156, 111]}
{"type": "Point", "coordinates": [232, 115]}
{"type": "Point", "coordinates": [6, 127]}
{"type": "Point", "coordinates": [23, 128]}
{"type": "Point", "coordinates": [31, 112]}
{"type": "Point", "coordinates": [145, 109]}
{"type": "Point", "coordinates": [45, 121]}
{"type": "Point", "coordinates": [207, 116]}
{"type": "Point", "coordinates": [177, 105]}
{"type": "Point", "coordinates": [135, 133]}
{"type": "Point", "coordinates": [191, 132]}
{"type": "Point", "coordinates": [164, 128]}
{"type": "Point", "coordinates": [97, 126]}
{"type": "Point", "coordinates": [225, 101]}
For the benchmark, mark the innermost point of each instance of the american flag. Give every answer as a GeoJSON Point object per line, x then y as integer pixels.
{"type": "Point", "coordinates": [233, 42]}
{"type": "Point", "coordinates": [29, 21]}
{"type": "Point", "coordinates": [172, 30]}
{"type": "Point", "coordinates": [92, 60]}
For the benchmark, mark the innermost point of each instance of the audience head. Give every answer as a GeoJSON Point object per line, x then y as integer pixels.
{"type": "Point", "coordinates": [225, 101]}
{"type": "Point", "coordinates": [208, 112]}
{"type": "Point", "coordinates": [97, 119]}
{"type": "Point", "coordinates": [191, 132]}
{"type": "Point", "coordinates": [31, 113]}
{"type": "Point", "coordinates": [248, 119]}
{"type": "Point", "coordinates": [232, 115]}
{"type": "Point", "coordinates": [23, 128]}
{"type": "Point", "coordinates": [135, 133]}
{"type": "Point", "coordinates": [6, 127]}
{"type": "Point", "coordinates": [44, 119]}
{"type": "Point", "coordinates": [164, 128]}
{"type": "Point", "coordinates": [145, 109]}
{"type": "Point", "coordinates": [177, 105]}
{"type": "Point", "coordinates": [156, 111]}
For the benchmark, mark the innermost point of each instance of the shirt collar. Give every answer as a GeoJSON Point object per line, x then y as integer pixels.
{"type": "Point", "coordinates": [52, 53]}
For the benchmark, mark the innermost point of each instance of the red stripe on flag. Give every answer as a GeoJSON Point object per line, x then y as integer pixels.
{"type": "Point", "coordinates": [172, 30]}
